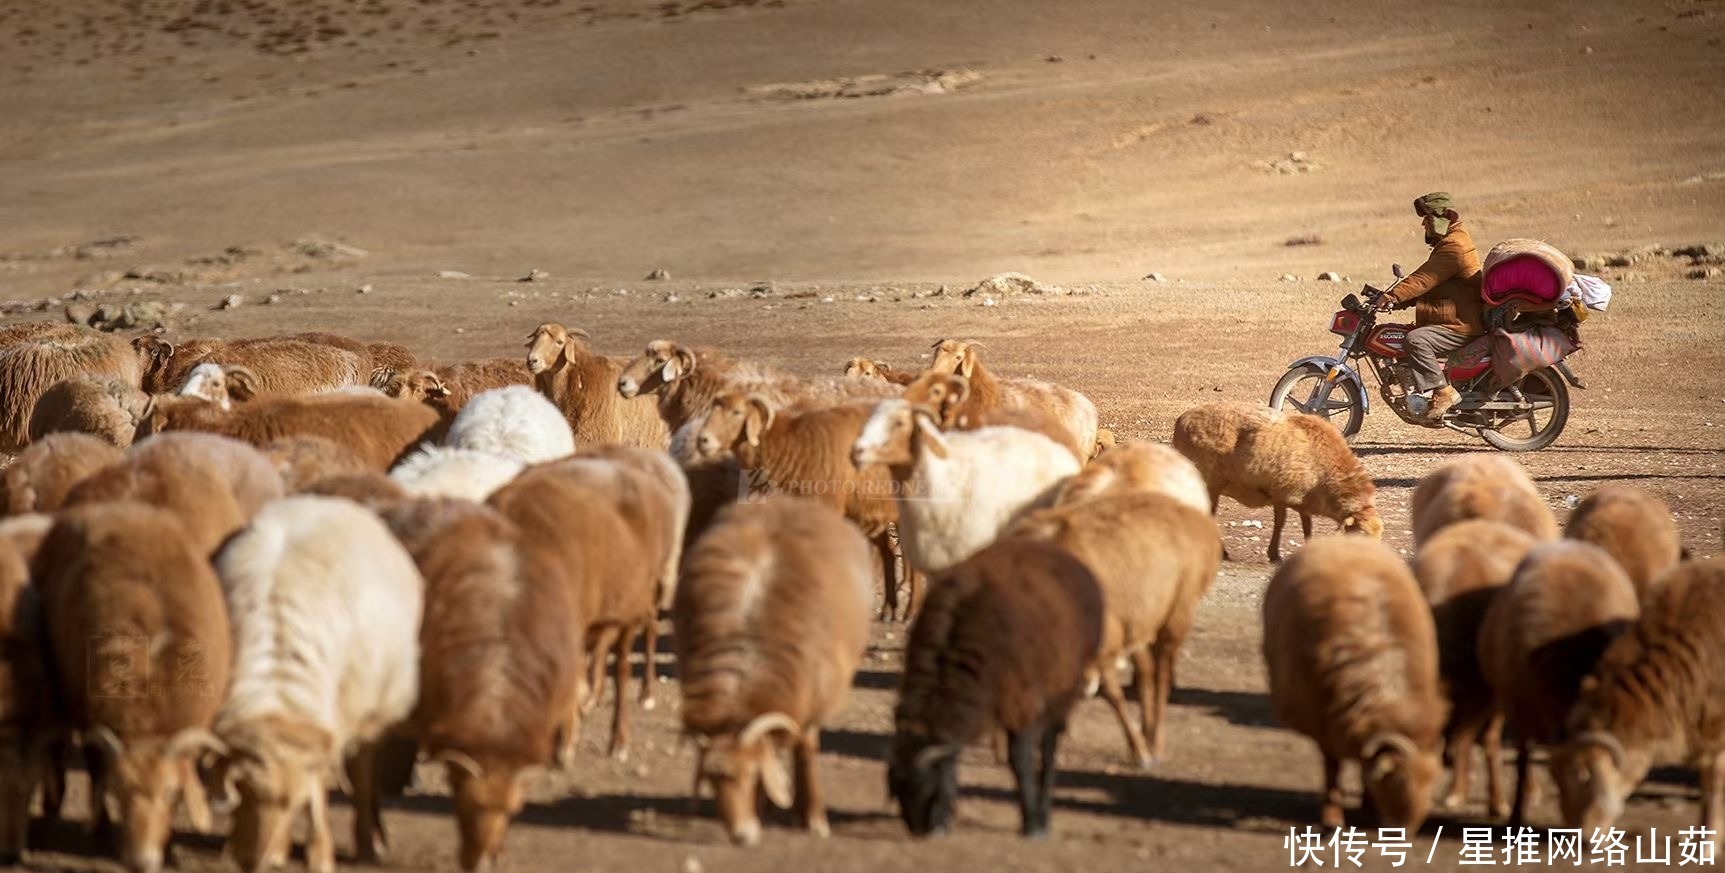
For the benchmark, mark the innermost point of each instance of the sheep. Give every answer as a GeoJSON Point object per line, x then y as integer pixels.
{"type": "Point", "coordinates": [1075, 412]}
{"type": "Point", "coordinates": [611, 523]}
{"type": "Point", "coordinates": [1479, 485]}
{"type": "Point", "coordinates": [368, 488]}
{"type": "Point", "coordinates": [447, 389]}
{"type": "Point", "coordinates": [949, 395]}
{"type": "Point", "coordinates": [440, 471]}
{"type": "Point", "coordinates": [1264, 456]}
{"type": "Point", "coordinates": [1138, 467]}
{"type": "Point", "coordinates": [282, 366]}
{"type": "Point", "coordinates": [25, 718]}
{"type": "Point", "coordinates": [39, 478]}
{"type": "Point", "coordinates": [377, 429]}
{"type": "Point", "coordinates": [1542, 635]}
{"type": "Point", "coordinates": [583, 385]}
{"type": "Point", "coordinates": [102, 406]}
{"type": "Point", "coordinates": [302, 460]}
{"type": "Point", "coordinates": [377, 359]}
{"type": "Point", "coordinates": [498, 668]}
{"type": "Point", "coordinates": [325, 607]}
{"type": "Point", "coordinates": [863, 368]}
{"type": "Point", "coordinates": [30, 366]}
{"type": "Point", "coordinates": [1105, 441]}
{"type": "Point", "coordinates": [221, 384]}
{"type": "Point", "coordinates": [1154, 557]}
{"type": "Point", "coordinates": [211, 483]}
{"type": "Point", "coordinates": [1654, 692]}
{"type": "Point", "coordinates": [127, 596]}
{"type": "Point", "coordinates": [807, 453]}
{"type": "Point", "coordinates": [1003, 641]}
{"type": "Point", "coordinates": [515, 422]}
{"type": "Point", "coordinates": [1632, 526]}
{"type": "Point", "coordinates": [1352, 658]}
{"type": "Point", "coordinates": [772, 618]}
{"type": "Point", "coordinates": [1460, 570]}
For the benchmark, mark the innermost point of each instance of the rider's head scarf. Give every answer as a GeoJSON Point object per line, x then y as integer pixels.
{"type": "Point", "coordinates": [1437, 207]}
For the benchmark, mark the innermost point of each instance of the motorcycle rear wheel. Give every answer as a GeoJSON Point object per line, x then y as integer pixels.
{"type": "Point", "coordinates": [1343, 406]}
{"type": "Point", "coordinates": [1548, 392]}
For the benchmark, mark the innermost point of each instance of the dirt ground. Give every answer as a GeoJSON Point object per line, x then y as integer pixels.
{"type": "Point", "coordinates": [809, 207]}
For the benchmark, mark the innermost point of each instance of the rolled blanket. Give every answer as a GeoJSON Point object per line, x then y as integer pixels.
{"type": "Point", "coordinates": [1528, 271]}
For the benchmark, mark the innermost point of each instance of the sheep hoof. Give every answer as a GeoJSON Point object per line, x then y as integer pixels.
{"type": "Point", "coordinates": [620, 754]}
{"type": "Point", "coordinates": [820, 828]}
{"type": "Point", "coordinates": [1450, 801]}
{"type": "Point", "coordinates": [648, 703]}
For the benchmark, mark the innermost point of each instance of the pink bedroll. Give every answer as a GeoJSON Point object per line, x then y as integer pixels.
{"type": "Point", "coordinates": [1526, 277]}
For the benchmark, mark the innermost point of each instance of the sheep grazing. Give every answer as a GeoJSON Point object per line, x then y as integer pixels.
{"type": "Point", "coordinates": [806, 453]}
{"type": "Point", "coordinates": [771, 618]}
{"type": "Point", "coordinates": [1138, 467]}
{"type": "Point", "coordinates": [863, 368]}
{"type": "Point", "coordinates": [515, 422]}
{"type": "Point", "coordinates": [583, 385]}
{"type": "Point", "coordinates": [957, 491]}
{"type": "Point", "coordinates": [440, 471]}
{"type": "Point", "coordinates": [1262, 456]}
{"type": "Point", "coordinates": [1352, 659]}
{"type": "Point", "coordinates": [1075, 412]}
{"type": "Point", "coordinates": [377, 359]}
{"type": "Point", "coordinates": [379, 430]}
{"type": "Point", "coordinates": [498, 668]}
{"type": "Point", "coordinates": [1154, 557]}
{"type": "Point", "coordinates": [1460, 570]}
{"type": "Point", "coordinates": [949, 396]}
{"type": "Point", "coordinates": [1653, 692]}
{"type": "Point", "coordinates": [41, 357]}
{"type": "Point", "coordinates": [1633, 527]}
{"type": "Point", "coordinates": [39, 478]}
{"type": "Point", "coordinates": [302, 460]}
{"type": "Point", "coordinates": [127, 596]}
{"type": "Point", "coordinates": [449, 388]}
{"type": "Point", "coordinates": [325, 606]}
{"type": "Point", "coordinates": [211, 483]}
{"type": "Point", "coordinates": [1004, 641]}
{"type": "Point", "coordinates": [101, 406]}
{"type": "Point", "coordinates": [221, 384]}
{"type": "Point", "coordinates": [1480, 486]}
{"type": "Point", "coordinates": [282, 366]}
{"type": "Point", "coordinates": [25, 720]}
{"type": "Point", "coordinates": [1542, 636]}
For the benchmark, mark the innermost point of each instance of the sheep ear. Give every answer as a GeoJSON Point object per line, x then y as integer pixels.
{"type": "Point", "coordinates": [967, 361]}
{"type": "Point", "coordinates": [776, 779]}
{"type": "Point", "coordinates": [930, 436]}
{"type": "Point", "coordinates": [242, 382]}
{"type": "Point", "coordinates": [759, 420]}
{"type": "Point", "coordinates": [680, 364]}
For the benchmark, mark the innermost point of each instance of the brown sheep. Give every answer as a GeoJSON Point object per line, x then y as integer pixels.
{"type": "Point", "coordinates": [31, 366]}
{"type": "Point", "coordinates": [447, 389]}
{"type": "Point", "coordinates": [498, 668]}
{"type": "Point", "coordinates": [1654, 692]}
{"type": "Point", "coordinates": [39, 478]}
{"type": "Point", "coordinates": [1075, 412]}
{"type": "Point", "coordinates": [302, 460]}
{"type": "Point", "coordinates": [1542, 636]}
{"type": "Point", "coordinates": [1138, 467]}
{"type": "Point", "coordinates": [771, 618]}
{"type": "Point", "coordinates": [367, 488]}
{"type": "Point", "coordinates": [1353, 664]}
{"type": "Point", "coordinates": [863, 368]}
{"type": "Point", "coordinates": [1154, 558]}
{"type": "Point", "coordinates": [283, 366]}
{"type": "Point", "coordinates": [127, 595]}
{"type": "Point", "coordinates": [378, 429]}
{"type": "Point", "coordinates": [584, 386]}
{"type": "Point", "coordinates": [377, 359]}
{"type": "Point", "coordinates": [956, 406]}
{"type": "Point", "coordinates": [101, 406]}
{"type": "Point", "coordinates": [1480, 485]}
{"type": "Point", "coordinates": [807, 453]}
{"type": "Point", "coordinates": [214, 485]}
{"type": "Point", "coordinates": [1004, 642]}
{"type": "Point", "coordinates": [26, 717]}
{"type": "Point", "coordinates": [1460, 570]}
{"type": "Point", "coordinates": [1262, 456]}
{"type": "Point", "coordinates": [1633, 527]}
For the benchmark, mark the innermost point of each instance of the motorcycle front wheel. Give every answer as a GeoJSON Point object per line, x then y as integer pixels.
{"type": "Point", "coordinates": [1548, 398]}
{"type": "Point", "coordinates": [1302, 389]}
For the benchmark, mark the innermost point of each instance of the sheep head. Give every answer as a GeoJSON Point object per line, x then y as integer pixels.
{"type": "Point", "coordinates": [1595, 775]}
{"type": "Point", "coordinates": [735, 419]}
{"type": "Point", "coordinates": [863, 368]}
{"type": "Point", "coordinates": [1399, 776]}
{"type": "Point", "coordinates": [663, 363]}
{"type": "Point", "coordinates": [957, 356]}
{"type": "Point", "coordinates": [144, 777]}
{"type": "Point", "coordinates": [421, 385]}
{"type": "Point", "coordinates": [943, 392]}
{"type": "Point", "coordinates": [735, 765]}
{"type": "Point", "coordinates": [1366, 521]}
{"type": "Point", "coordinates": [550, 344]}
{"type": "Point", "coordinates": [923, 777]}
{"type": "Point", "coordinates": [897, 433]}
{"type": "Point", "coordinates": [486, 798]}
{"type": "Point", "coordinates": [277, 767]}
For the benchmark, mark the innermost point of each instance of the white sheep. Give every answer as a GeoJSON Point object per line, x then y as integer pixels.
{"type": "Point", "coordinates": [958, 490]}
{"type": "Point", "coordinates": [441, 471]}
{"type": "Point", "coordinates": [516, 422]}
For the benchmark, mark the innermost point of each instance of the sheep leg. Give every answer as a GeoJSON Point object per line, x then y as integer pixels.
{"type": "Point", "coordinates": [1523, 782]}
{"type": "Point", "coordinates": [96, 765]}
{"type": "Point", "coordinates": [369, 841]}
{"type": "Point", "coordinates": [54, 781]}
{"type": "Point", "coordinates": [1280, 520]}
{"type": "Point", "coordinates": [620, 675]}
{"type": "Point", "coordinates": [569, 736]}
{"type": "Point", "coordinates": [1305, 527]}
{"type": "Point", "coordinates": [810, 808]}
{"type": "Point", "coordinates": [918, 587]}
{"type": "Point", "coordinates": [1022, 747]}
{"type": "Point", "coordinates": [1713, 792]}
{"type": "Point", "coordinates": [1458, 744]}
{"type": "Point", "coordinates": [1494, 766]}
{"type": "Point", "coordinates": [193, 798]}
{"type": "Point", "coordinates": [602, 640]}
{"type": "Point", "coordinates": [650, 669]}
{"type": "Point", "coordinates": [1162, 654]}
{"type": "Point", "coordinates": [320, 846]}
{"type": "Point", "coordinates": [1216, 512]}
{"type": "Point", "coordinates": [1331, 816]}
{"type": "Point", "coordinates": [1111, 693]}
{"type": "Point", "coordinates": [889, 577]}
{"type": "Point", "coordinates": [1050, 748]}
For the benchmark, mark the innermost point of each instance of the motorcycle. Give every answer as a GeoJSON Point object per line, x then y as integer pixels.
{"type": "Point", "coordinates": [1524, 417]}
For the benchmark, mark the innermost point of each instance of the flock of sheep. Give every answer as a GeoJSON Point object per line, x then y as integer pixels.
{"type": "Point", "coordinates": [263, 568]}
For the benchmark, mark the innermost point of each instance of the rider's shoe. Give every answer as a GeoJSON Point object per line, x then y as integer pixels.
{"type": "Point", "coordinates": [1443, 400]}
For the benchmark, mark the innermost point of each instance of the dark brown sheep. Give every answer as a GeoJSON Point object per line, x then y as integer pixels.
{"type": "Point", "coordinates": [378, 429]}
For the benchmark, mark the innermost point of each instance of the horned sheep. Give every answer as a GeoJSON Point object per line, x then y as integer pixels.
{"type": "Point", "coordinates": [40, 358]}
{"type": "Point", "coordinates": [1074, 412]}
{"type": "Point", "coordinates": [1480, 485]}
{"type": "Point", "coordinates": [864, 368]}
{"type": "Point", "coordinates": [282, 366]}
{"type": "Point", "coordinates": [583, 385]}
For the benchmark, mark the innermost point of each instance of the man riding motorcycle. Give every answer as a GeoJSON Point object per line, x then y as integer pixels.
{"type": "Point", "coordinates": [1445, 291]}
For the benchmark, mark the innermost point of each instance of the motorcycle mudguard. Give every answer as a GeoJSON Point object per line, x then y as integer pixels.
{"type": "Point", "coordinates": [1569, 375]}
{"type": "Point", "coordinates": [1337, 370]}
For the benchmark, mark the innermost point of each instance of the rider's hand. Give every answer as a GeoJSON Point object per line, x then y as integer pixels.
{"type": "Point", "coordinates": [1384, 303]}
